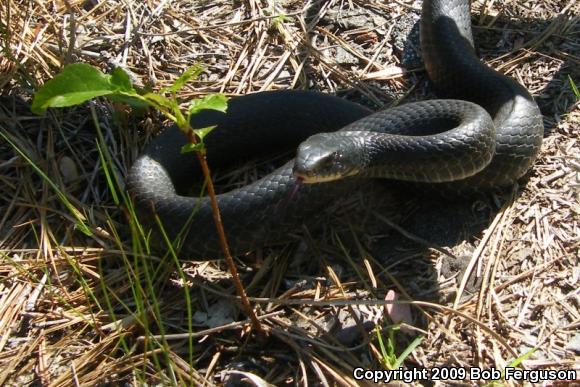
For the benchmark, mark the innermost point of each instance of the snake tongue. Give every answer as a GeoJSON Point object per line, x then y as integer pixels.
{"type": "Point", "coordinates": [297, 184]}
{"type": "Point", "coordinates": [283, 204]}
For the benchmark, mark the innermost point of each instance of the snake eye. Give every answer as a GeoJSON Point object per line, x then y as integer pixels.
{"type": "Point", "coordinates": [330, 158]}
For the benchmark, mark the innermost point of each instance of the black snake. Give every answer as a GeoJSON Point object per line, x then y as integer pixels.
{"type": "Point", "coordinates": [488, 142]}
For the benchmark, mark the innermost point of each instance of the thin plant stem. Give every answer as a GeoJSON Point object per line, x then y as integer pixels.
{"type": "Point", "coordinates": [222, 235]}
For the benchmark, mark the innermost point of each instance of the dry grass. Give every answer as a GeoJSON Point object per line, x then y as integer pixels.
{"type": "Point", "coordinates": [84, 310]}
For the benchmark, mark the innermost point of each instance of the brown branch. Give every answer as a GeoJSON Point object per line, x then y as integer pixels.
{"type": "Point", "coordinates": [222, 235]}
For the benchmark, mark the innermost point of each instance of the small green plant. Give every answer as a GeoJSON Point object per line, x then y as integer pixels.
{"type": "Point", "coordinates": [80, 82]}
{"type": "Point", "coordinates": [389, 359]}
{"type": "Point", "coordinates": [574, 88]}
{"type": "Point", "coordinates": [280, 19]}
{"type": "Point", "coordinates": [514, 363]}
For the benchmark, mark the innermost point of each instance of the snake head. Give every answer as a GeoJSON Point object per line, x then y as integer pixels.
{"type": "Point", "coordinates": [325, 157]}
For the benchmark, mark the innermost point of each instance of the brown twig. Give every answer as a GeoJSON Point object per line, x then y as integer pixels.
{"type": "Point", "coordinates": [222, 235]}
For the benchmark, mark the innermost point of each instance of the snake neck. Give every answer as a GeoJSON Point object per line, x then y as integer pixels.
{"type": "Point", "coordinates": [456, 72]}
{"type": "Point", "coordinates": [452, 65]}
{"type": "Point", "coordinates": [430, 142]}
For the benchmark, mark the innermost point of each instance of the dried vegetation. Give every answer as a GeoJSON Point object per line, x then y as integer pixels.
{"type": "Point", "coordinates": [72, 309]}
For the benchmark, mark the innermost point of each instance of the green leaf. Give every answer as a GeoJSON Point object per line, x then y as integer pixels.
{"type": "Point", "coordinates": [202, 132]}
{"type": "Point", "coordinates": [188, 75]}
{"type": "Point", "coordinates": [200, 146]}
{"type": "Point", "coordinates": [414, 344]}
{"type": "Point", "coordinates": [574, 87]}
{"type": "Point", "coordinates": [386, 358]}
{"type": "Point", "coordinates": [77, 83]}
{"type": "Point", "coordinates": [131, 100]}
{"type": "Point", "coordinates": [189, 147]}
{"type": "Point", "coordinates": [159, 101]}
{"type": "Point", "coordinates": [121, 79]}
{"type": "Point", "coordinates": [525, 356]}
{"type": "Point", "coordinates": [217, 102]}
{"type": "Point", "coordinates": [280, 19]}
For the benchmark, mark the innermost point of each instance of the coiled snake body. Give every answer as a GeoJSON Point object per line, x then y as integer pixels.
{"type": "Point", "coordinates": [487, 142]}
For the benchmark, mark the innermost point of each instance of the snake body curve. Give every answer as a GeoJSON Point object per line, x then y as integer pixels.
{"type": "Point", "coordinates": [487, 136]}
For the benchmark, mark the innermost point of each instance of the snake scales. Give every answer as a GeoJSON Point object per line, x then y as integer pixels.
{"type": "Point", "coordinates": [488, 142]}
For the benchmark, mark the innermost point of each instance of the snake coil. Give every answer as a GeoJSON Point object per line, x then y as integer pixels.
{"type": "Point", "coordinates": [488, 135]}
